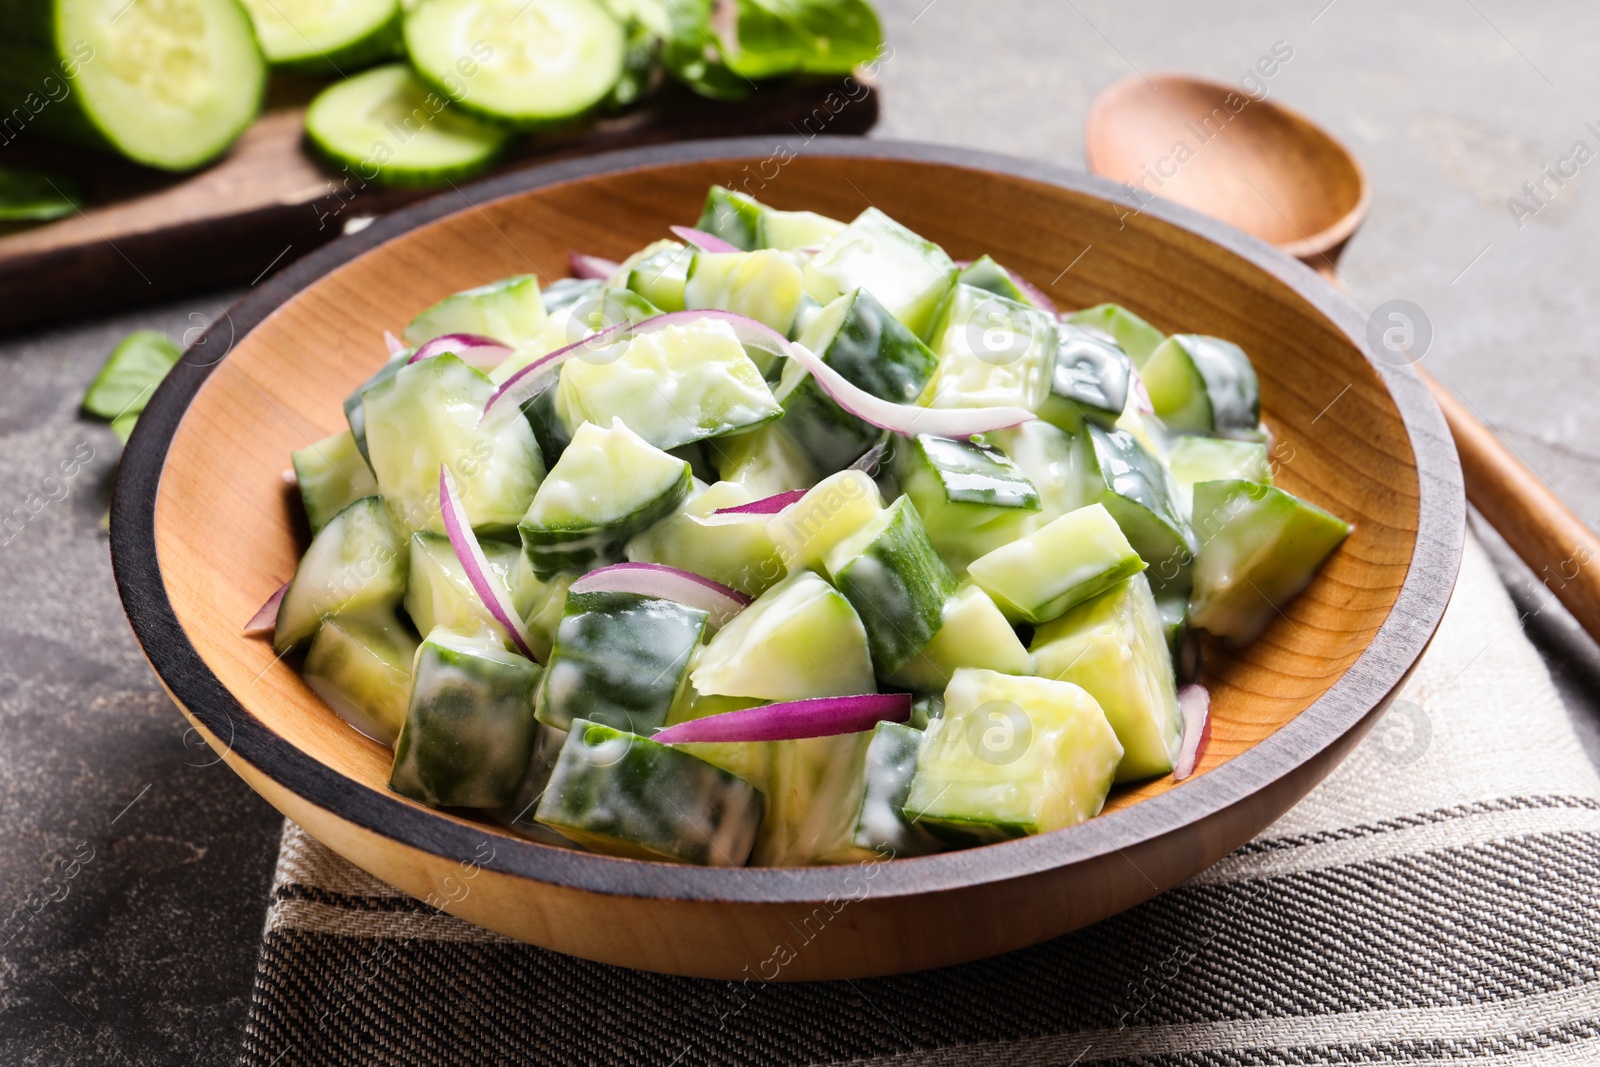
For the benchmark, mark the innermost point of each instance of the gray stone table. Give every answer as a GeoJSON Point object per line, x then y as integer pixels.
{"type": "Point", "coordinates": [147, 955]}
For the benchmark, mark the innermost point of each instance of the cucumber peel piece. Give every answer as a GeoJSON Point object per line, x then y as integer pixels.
{"type": "Point", "coordinates": [331, 474]}
{"type": "Point", "coordinates": [361, 668]}
{"type": "Point", "coordinates": [1059, 565]}
{"type": "Point", "coordinates": [1089, 380]}
{"type": "Point", "coordinates": [775, 37]}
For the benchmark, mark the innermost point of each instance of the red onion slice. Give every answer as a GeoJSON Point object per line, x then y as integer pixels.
{"type": "Point", "coordinates": [393, 343]}
{"type": "Point", "coordinates": [476, 564]}
{"type": "Point", "coordinates": [265, 620]}
{"type": "Point", "coordinates": [1141, 394]}
{"type": "Point", "coordinates": [767, 505]}
{"type": "Point", "coordinates": [1195, 703]}
{"type": "Point", "coordinates": [592, 267]}
{"type": "Point", "coordinates": [706, 242]}
{"type": "Point", "coordinates": [475, 350]}
{"type": "Point", "coordinates": [668, 583]}
{"type": "Point", "coordinates": [793, 719]}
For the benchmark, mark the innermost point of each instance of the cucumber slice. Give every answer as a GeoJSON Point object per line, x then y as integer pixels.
{"type": "Point", "coordinates": [984, 273]}
{"type": "Point", "coordinates": [833, 509]}
{"type": "Point", "coordinates": [426, 416]}
{"type": "Point", "coordinates": [1138, 490]}
{"type": "Point", "coordinates": [677, 385]}
{"type": "Point", "coordinates": [361, 668]}
{"type": "Point", "coordinates": [1132, 334]}
{"type": "Point", "coordinates": [546, 61]}
{"type": "Point", "coordinates": [539, 604]}
{"type": "Point", "coordinates": [1209, 459]}
{"type": "Point", "coordinates": [972, 633]}
{"type": "Point", "coordinates": [355, 414]}
{"type": "Point", "coordinates": [391, 129]}
{"type": "Point", "coordinates": [509, 310]}
{"type": "Point", "coordinates": [1059, 565]}
{"type": "Point", "coordinates": [910, 276]}
{"type": "Point", "coordinates": [166, 85]}
{"type": "Point", "coordinates": [971, 496]}
{"type": "Point", "coordinates": [764, 285]}
{"type": "Point", "coordinates": [1259, 547]}
{"type": "Point", "coordinates": [1011, 757]}
{"type": "Point", "coordinates": [620, 659]}
{"type": "Point", "coordinates": [331, 474]}
{"type": "Point", "coordinates": [893, 576]}
{"type": "Point", "coordinates": [438, 592]}
{"type": "Point", "coordinates": [323, 37]}
{"type": "Point", "coordinates": [469, 730]}
{"type": "Point", "coordinates": [356, 565]}
{"type": "Point", "coordinates": [800, 639]}
{"type": "Point", "coordinates": [735, 550]}
{"type": "Point", "coordinates": [130, 375]}
{"type": "Point", "coordinates": [792, 230]}
{"type": "Point", "coordinates": [992, 351]}
{"type": "Point", "coordinates": [625, 795]}
{"type": "Point", "coordinates": [813, 790]}
{"type": "Point", "coordinates": [1203, 385]}
{"type": "Point", "coordinates": [661, 276]}
{"type": "Point", "coordinates": [732, 216]}
{"type": "Point", "coordinates": [881, 826]}
{"type": "Point", "coordinates": [765, 460]}
{"type": "Point", "coordinates": [1089, 380]}
{"type": "Point", "coordinates": [608, 486]}
{"type": "Point", "coordinates": [1115, 647]}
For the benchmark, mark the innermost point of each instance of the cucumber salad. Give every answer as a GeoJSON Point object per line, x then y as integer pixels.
{"type": "Point", "coordinates": [786, 541]}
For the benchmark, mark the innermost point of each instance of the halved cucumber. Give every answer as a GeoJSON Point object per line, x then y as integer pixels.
{"type": "Point", "coordinates": [333, 37]}
{"type": "Point", "coordinates": [972, 633]}
{"type": "Point", "coordinates": [1089, 380]}
{"type": "Point", "coordinates": [1059, 565]}
{"type": "Point", "coordinates": [992, 351]}
{"type": "Point", "coordinates": [1132, 334]}
{"type": "Point", "coordinates": [526, 63]}
{"type": "Point", "coordinates": [1203, 385]}
{"type": "Point", "coordinates": [331, 474]}
{"type": "Point", "coordinates": [361, 668]}
{"type": "Point", "coordinates": [439, 593]}
{"type": "Point", "coordinates": [908, 274]}
{"type": "Point", "coordinates": [127, 381]}
{"type": "Point", "coordinates": [833, 509]}
{"type": "Point", "coordinates": [971, 496]}
{"type": "Point", "coordinates": [356, 565]}
{"type": "Point", "coordinates": [735, 550]}
{"type": "Point", "coordinates": [764, 285]}
{"type": "Point", "coordinates": [509, 310]}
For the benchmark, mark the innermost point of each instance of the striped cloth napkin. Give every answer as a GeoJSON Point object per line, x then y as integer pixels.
{"type": "Point", "coordinates": [1436, 900]}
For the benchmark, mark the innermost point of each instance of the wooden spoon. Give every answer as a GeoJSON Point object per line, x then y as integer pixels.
{"type": "Point", "coordinates": [1277, 175]}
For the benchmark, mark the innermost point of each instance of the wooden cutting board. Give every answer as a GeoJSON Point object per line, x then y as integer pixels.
{"type": "Point", "coordinates": [148, 236]}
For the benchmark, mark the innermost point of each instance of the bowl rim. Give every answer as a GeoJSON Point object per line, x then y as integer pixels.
{"type": "Point", "coordinates": [1363, 687]}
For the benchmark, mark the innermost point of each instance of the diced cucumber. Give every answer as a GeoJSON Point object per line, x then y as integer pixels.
{"type": "Point", "coordinates": [791, 230]}
{"type": "Point", "coordinates": [1132, 334]}
{"type": "Point", "coordinates": [1203, 385]}
{"type": "Point", "coordinates": [438, 592]}
{"type": "Point", "coordinates": [971, 496]}
{"type": "Point", "coordinates": [749, 760]}
{"type": "Point", "coordinates": [992, 352]}
{"type": "Point", "coordinates": [925, 709]}
{"type": "Point", "coordinates": [764, 285]}
{"type": "Point", "coordinates": [1115, 648]}
{"type": "Point", "coordinates": [1138, 490]}
{"type": "Point", "coordinates": [765, 460]}
{"type": "Point", "coordinates": [1259, 547]}
{"type": "Point", "coordinates": [833, 509]}
{"type": "Point", "coordinates": [676, 385]}
{"type": "Point", "coordinates": [984, 273]}
{"type": "Point", "coordinates": [355, 414]}
{"type": "Point", "coordinates": [626, 795]}
{"type": "Point", "coordinates": [525, 63]}
{"type": "Point", "coordinates": [564, 293]}
{"type": "Point", "coordinates": [1059, 565]}
{"type": "Point", "coordinates": [1090, 380]}
{"type": "Point", "coordinates": [127, 381]}
{"type": "Point", "coordinates": [356, 565]}
{"type": "Point", "coordinates": [326, 37]}
{"type": "Point", "coordinates": [550, 429]}
{"type": "Point", "coordinates": [167, 85]}
{"type": "Point", "coordinates": [972, 633]}
{"type": "Point", "coordinates": [909, 275]}
{"type": "Point", "coordinates": [620, 659]}
{"type": "Point", "coordinates": [1211, 459]}
{"type": "Point", "coordinates": [881, 826]}
{"type": "Point", "coordinates": [519, 814]}
{"type": "Point", "coordinates": [509, 310]}
{"type": "Point", "coordinates": [1010, 757]}
{"type": "Point", "coordinates": [813, 789]}
{"type": "Point", "coordinates": [661, 276]}
{"type": "Point", "coordinates": [896, 581]}
{"type": "Point", "coordinates": [1183, 640]}
{"type": "Point", "coordinates": [539, 604]}
{"type": "Point", "coordinates": [426, 416]}
{"type": "Point", "coordinates": [732, 216]}
{"type": "Point", "coordinates": [608, 486]}
{"type": "Point", "coordinates": [1060, 465]}
{"type": "Point", "coordinates": [597, 310]}
{"type": "Point", "coordinates": [361, 668]}
{"type": "Point", "coordinates": [735, 550]}
{"type": "Point", "coordinates": [799, 639]}
{"type": "Point", "coordinates": [331, 474]}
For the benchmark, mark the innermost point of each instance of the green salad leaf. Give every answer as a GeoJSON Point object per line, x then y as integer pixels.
{"type": "Point", "coordinates": [130, 375]}
{"type": "Point", "coordinates": [773, 37]}
{"type": "Point", "coordinates": [28, 195]}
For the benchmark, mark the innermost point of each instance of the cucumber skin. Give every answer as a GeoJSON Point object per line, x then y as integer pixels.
{"type": "Point", "coordinates": [898, 584]}
{"type": "Point", "coordinates": [382, 43]}
{"type": "Point", "coordinates": [552, 550]}
{"type": "Point", "coordinates": [732, 216]}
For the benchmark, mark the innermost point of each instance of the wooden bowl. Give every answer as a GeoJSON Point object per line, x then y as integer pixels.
{"type": "Point", "coordinates": [202, 531]}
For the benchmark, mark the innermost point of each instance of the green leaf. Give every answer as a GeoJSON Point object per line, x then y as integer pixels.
{"type": "Point", "coordinates": [692, 53]}
{"type": "Point", "coordinates": [774, 37]}
{"type": "Point", "coordinates": [122, 425]}
{"type": "Point", "coordinates": [28, 195]}
{"type": "Point", "coordinates": [131, 374]}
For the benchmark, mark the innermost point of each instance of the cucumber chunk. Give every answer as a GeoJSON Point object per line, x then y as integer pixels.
{"type": "Point", "coordinates": [1259, 547]}
{"type": "Point", "coordinates": [1139, 492]}
{"type": "Point", "coordinates": [509, 310]}
{"type": "Point", "coordinates": [763, 285]}
{"type": "Point", "coordinates": [971, 496]}
{"type": "Point", "coordinates": [331, 474]}
{"type": "Point", "coordinates": [1060, 465]}
{"type": "Point", "coordinates": [732, 216]}
{"type": "Point", "coordinates": [1059, 565]}
{"type": "Point", "coordinates": [1011, 757]}
{"type": "Point", "coordinates": [539, 604]}
{"type": "Point", "coordinates": [813, 790]}
{"type": "Point", "coordinates": [329, 38]}
{"type": "Point", "coordinates": [1132, 334]}
{"type": "Point", "coordinates": [792, 230]}
{"type": "Point", "coordinates": [909, 275]}
{"type": "Point", "coordinates": [1115, 647]}
{"type": "Point", "coordinates": [973, 633]}
{"type": "Point", "coordinates": [992, 352]}
{"type": "Point", "coordinates": [894, 578]}
{"type": "Point", "coordinates": [1210, 459]}
{"type": "Point", "coordinates": [984, 273]}
{"type": "Point", "coordinates": [469, 729]}
{"type": "Point", "coordinates": [426, 416]}
{"type": "Point", "coordinates": [833, 509]}
{"type": "Point", "coordinates": [356, 565]}
{"type": "Point", "coordinates": [519, 814]}
{"type": "Point", "coordinates": [1203, 385]}
{"type": "Point", "coordinates": [765, 461]}
{"type": "Point", "coordinates": [626, 795]}
{"type": "Point", "coordinates": [355, 414]}
{"type": "Point", "coordinates": [662, 275]}
{"type": "Point", "coordinates": [127, 381]}
{"type": "Point", "coordinates": [735, 550]}
{"type": "Point", "coordinates": [1089, 380]}
{"type": "Point", "coordinates": [676, 385]}
{"type": "Point", "coordinates": [799, 639]}
{"type": "Point", "coordinates": [438, 592]}
{"type": "Point", "coordinates": [620, 659]}
{"type": "Point", "coordinates": [608, 486]}
{"type": "Point", "coordinates": [549, 60]}
{"type": "Point", "coordinates": [881, 826]}
{"type": "Point", "coordinates": [361, 668]}
{"type": "Point", "coordinates": [391, 129]}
